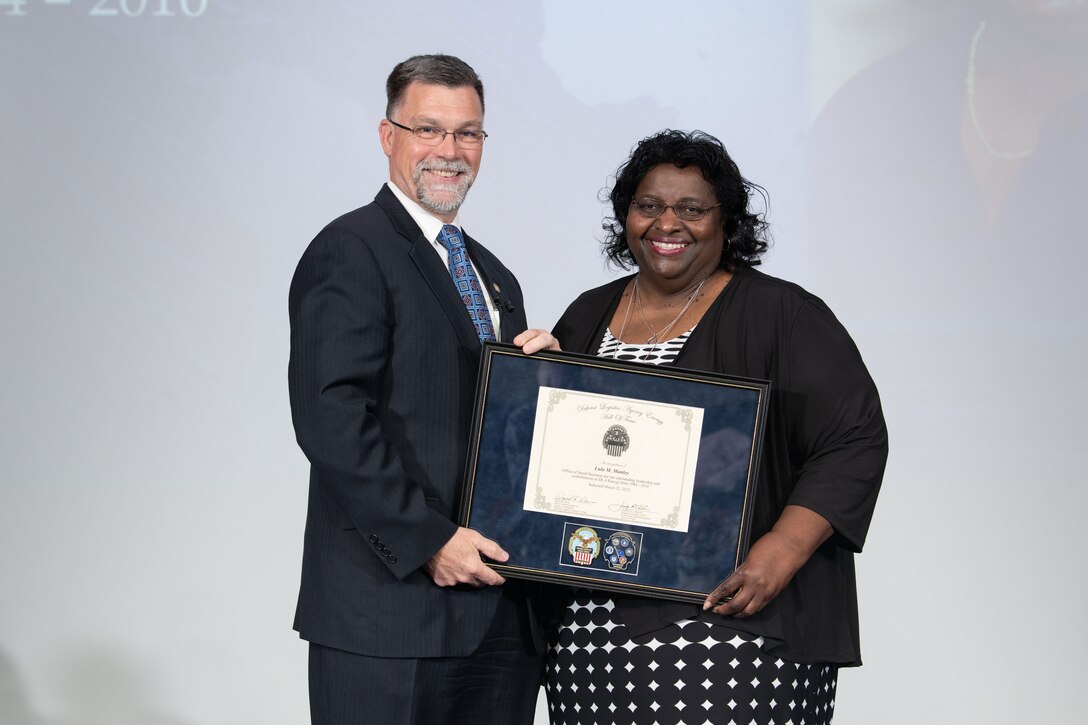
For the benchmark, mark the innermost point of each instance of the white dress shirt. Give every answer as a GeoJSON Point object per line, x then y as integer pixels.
{"type": "Point", "coordinates": [431, 226]}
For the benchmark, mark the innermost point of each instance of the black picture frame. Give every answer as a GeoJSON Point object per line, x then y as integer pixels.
{"type": "Point", "coordinates": [682, 566]}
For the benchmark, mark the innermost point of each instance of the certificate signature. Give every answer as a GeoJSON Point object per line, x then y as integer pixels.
{"type": "Point", "coordinates": [615, 459]}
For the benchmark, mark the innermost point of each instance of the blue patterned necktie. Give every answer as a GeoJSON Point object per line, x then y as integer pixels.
{"type": "Point", "coordinates": [468, 284]}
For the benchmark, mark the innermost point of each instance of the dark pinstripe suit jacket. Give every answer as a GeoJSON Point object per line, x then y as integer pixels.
{"type": "Point", "coordinates": [382, 376]}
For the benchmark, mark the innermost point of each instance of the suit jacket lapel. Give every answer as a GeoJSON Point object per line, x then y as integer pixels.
{"type": "Point", "coordinates": [430, 268]}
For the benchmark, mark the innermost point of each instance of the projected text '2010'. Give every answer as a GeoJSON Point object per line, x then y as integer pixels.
{"type": "Point", "coordinates": [117, 8]}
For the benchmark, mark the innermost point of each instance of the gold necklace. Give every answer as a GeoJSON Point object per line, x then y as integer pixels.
{"type": "Point", "coordinates": [655, 336]}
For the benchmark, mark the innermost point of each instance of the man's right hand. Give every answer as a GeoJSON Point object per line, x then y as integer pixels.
{"type": "Point", "coordinates": [459, 562]}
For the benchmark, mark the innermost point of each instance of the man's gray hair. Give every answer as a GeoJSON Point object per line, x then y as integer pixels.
{"type": "Point", "coordinates": [438, 69]}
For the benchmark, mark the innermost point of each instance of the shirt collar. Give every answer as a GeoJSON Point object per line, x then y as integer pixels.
{"type": "Point", "coordinates": [428, 223]}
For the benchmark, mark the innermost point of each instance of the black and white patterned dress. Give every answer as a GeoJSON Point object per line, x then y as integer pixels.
{"type": "Point", "coordinates": [689, 672]}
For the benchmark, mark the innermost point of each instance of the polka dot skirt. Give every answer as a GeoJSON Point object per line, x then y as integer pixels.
{"type": "Point", "coordinates": [691, 672]}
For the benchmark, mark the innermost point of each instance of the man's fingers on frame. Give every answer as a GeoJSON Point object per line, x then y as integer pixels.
{"type": "Point", "coordinates": [491, 550]}
{"type": "Point", "coordinates": [488, 578]}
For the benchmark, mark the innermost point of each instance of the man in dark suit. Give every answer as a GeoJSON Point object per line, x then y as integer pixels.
{"type": "Point", "coordinates": [406, 623]}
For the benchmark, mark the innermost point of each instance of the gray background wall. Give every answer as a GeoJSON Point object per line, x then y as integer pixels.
{"type": "Point", "coordinates": [160, 175]}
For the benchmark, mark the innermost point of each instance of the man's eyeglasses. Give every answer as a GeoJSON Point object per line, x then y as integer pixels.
{"type": "Point", "coordinates": [653, 208]}
{"type": "Point", "coordinates": [432, 135]}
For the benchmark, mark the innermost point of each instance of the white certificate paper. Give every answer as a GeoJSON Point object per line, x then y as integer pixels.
{"type": "Point", "coordinates": [611, 458]}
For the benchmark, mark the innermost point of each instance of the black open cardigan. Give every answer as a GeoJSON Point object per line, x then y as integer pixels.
{"type": "Point", "coordinates": [825, 449]}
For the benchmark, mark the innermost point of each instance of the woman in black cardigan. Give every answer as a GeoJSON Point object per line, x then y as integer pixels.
{"type": "Point", "coordinates": [767, 643]}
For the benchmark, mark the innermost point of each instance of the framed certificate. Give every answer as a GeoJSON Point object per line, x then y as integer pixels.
{"type": "Point", "coordinates": [613, 475]}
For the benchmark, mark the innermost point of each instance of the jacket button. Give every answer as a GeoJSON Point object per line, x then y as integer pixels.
{"type": "Point", "coordinates": [374, 539]}
{"type": "Point", "coordinates": [392, 559]}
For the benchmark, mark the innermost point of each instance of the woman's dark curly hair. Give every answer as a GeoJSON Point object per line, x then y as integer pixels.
{"type": "Point", "coordinates": [745, 231]}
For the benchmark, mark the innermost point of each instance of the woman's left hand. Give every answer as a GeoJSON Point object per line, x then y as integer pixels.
{"type": "Point", "coordinates": [772, 561]}
{"type": "Point", "coordinates": [534, 340]}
